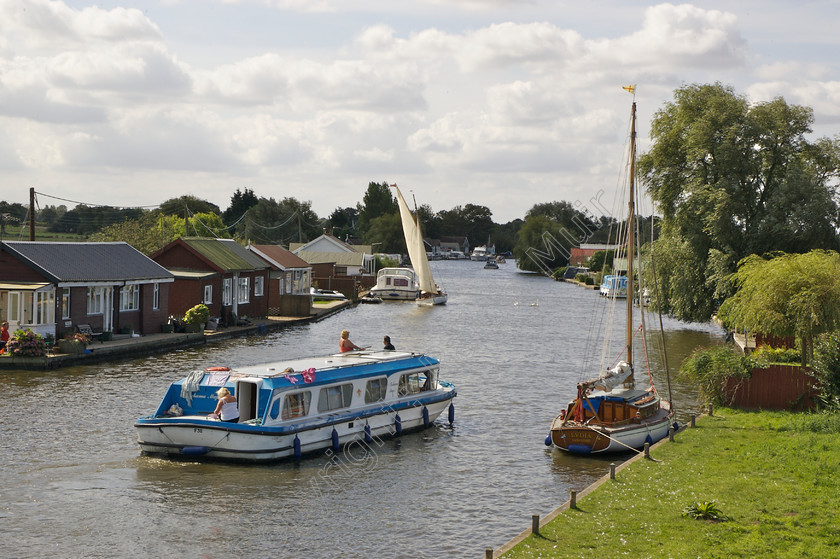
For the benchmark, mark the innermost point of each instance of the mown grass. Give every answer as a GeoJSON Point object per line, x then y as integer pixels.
{"type": "Point", "coordinates": [775, 475]}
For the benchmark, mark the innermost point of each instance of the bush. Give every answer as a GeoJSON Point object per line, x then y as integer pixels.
{"type": "Point", "coordinates": [199, 314]}
{"type": "Point", "coordinates": [559, 273]}
{"type": "Point", "coordinates": [825, 367]}
{"type": "Point", "coordinates": [778, 354]}
{"type": "Point", "coordinates": [26, 343]}
{"type": "Point", "coordinates": [589, 280]}
{"type": "Point", "coordinates": [711, 367]}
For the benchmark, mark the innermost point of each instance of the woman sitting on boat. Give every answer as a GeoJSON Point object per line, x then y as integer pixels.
{"type": "Point", "coordinates": [226, 408]}
{"type": "Point", "coordinates": [345, 344]}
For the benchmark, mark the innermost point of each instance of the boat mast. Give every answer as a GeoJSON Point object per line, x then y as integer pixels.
{"type": "Point", "coordinates": [631, 241]}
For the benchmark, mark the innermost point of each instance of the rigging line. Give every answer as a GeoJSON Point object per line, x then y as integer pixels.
{"type": "Point", "coordinates": [91, 204]}
{"type": "Point", "coordinates": [254, 223]}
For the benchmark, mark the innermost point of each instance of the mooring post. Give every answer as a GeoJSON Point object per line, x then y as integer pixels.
{"type": "Point", "coordinates": [535, 524]}
{"type": "Point", "coordinates": [693, 418]}
{"type": "Point", "coordinates": [671, 433]}
{"type": "Point", "coordinates": [711, 410]}
{"type": "Point", "coordinates": [647, 450]}
{"type": "Point", "coordinates": [573, 499]}
{"type": "Point", "coordinates": [488, 553]}
{"type": "Point", "coordinates": [612, 470]}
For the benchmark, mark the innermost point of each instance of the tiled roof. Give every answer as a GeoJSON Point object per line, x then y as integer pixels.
{"type": "Point", "coordinates": [227, 254]}
{"type": "Point", "coordinates": [278, 255]}
{"type": "Point", "coordinates": [87, 261]}
{"type": "Point", "coordinates": [340, 258]}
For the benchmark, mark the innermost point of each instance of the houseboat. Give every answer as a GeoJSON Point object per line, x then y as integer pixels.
{"type": "Point", "coordinates": [291, 408]}
{"type": "Point", "coordinates": [398, 284]}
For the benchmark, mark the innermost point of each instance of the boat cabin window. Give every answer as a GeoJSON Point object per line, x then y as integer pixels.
{"type": "Point", "coordinates": [400, 282]}
{"type": "Point", "coordinates": [409, 384]}
{"type": "Point", "coordinates": [296, 404]}
{"type": "Point", "coordinates": [375, 390]}
{"type": "Point", "coordinates": [335, 397]}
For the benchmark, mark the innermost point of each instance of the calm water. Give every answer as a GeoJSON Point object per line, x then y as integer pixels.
{"type": "Point", "coordinates": [74, 483]}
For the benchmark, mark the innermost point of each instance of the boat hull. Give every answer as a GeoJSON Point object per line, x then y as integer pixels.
{"type": "Point", "coordinates": [195, 437]}
{"type": "Point", "coordinates": [438, 299]}
{"type": "Point", "coordinates": [394, 294]}
{"type": "Point", "coordinates": [594, 439]}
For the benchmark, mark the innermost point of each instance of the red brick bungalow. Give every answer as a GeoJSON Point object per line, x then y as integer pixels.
{"type": "Point", "coordinates": [220, 273]}
{"type": "Point", "coordinates": [289, 281]}
{"type": "Point", "coordinates": [52, 288]}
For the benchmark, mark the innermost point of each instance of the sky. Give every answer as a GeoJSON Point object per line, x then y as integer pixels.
{"type": "Point", "coordinates": [501, 103]}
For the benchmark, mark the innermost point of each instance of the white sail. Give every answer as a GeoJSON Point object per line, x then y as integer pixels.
{"type": "Point", "coordinates": [416, 246]}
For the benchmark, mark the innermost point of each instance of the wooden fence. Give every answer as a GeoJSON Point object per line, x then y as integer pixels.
{"type": "Point", "coordinates": [779, 387]}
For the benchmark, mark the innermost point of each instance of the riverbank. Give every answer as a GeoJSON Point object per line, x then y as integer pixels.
{"type": "Point", "coordinates": [126, 347]}
{"type": "Point", "coordinates": [770, 473]}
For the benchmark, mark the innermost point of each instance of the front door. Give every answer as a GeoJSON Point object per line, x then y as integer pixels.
{"type": "Point", "coordinates": [15, 310]}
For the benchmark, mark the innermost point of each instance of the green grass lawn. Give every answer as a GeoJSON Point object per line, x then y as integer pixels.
{"type": "Point", "coordinates": [775, 475]}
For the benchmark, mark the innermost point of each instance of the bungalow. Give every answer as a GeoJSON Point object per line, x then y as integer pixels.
{"type": "Point", "coordinates": [349, 260]}
{"type": "Point", "coordinates": [220, 273]}
{"type": "Point", "coordinates": [578, 256]}
{"type": "Point", "coordinates": [54, 287]}
{"type": "Point", "coordinates": [289, 281]}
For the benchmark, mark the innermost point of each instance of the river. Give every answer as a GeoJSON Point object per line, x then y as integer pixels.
{"type": "Point", "coordinates": [74, 483]}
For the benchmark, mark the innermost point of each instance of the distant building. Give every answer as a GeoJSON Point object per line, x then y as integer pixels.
{"type": "Point", "coordinates": [580, 255]}
{"type": "Point", "coordinates": [349, 260]}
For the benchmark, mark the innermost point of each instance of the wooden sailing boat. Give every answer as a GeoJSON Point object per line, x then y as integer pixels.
{"type": "Point", "coordinates": [612, 413]}
{"type": "Point", "coordinates": [429, 292]}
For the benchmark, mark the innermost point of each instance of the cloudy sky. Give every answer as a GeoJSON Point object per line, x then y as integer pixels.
{"type": "Point", "coordinates": [504, 103]}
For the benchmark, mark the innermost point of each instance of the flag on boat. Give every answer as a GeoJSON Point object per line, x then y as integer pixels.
{"type": "Point", "coordinates": [630, 88]}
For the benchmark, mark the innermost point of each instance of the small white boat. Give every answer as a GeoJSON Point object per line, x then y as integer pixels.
{"type": "Point", "coordinates": [614, 287]}
{"type": "Point", "coordinates": [491, 265]}
{"type": "Point", "coordinates": [325, 294]}
{"type": "Point", "coordinates": [291, 408]}
{"type": "Point", "coordinates": [395, 284]}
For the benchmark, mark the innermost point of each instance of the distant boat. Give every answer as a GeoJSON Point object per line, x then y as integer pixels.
{"type": "Point", "coordinates": [429, 292]}
{"type": "Point", "coordinates": [614, 286]}
{"type": "Point", "coordinates": [326, 294]}
{"type": "Point", "coordinates": [490, 264]}
{"type": "Point", "coordinates": [395, 284]}
{"type": "Point", "coordinates": [613, 411]}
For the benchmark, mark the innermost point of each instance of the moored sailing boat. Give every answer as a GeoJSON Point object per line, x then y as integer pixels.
{"type": "Point", "coordinates": [615, 412]}
{"type": "Point", "coordinates": [429, 293]}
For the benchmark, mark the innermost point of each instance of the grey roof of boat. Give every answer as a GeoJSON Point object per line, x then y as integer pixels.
{"type": "Point", "coordinates": [324, 362]}
{"type": "Point", "coordinates": [112, 261]}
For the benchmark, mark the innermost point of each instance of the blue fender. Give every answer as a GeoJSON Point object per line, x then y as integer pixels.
{"type": "Point", "coordinates": [548, 440]}
{"type": "Point", "coordinates": [195, 450]}
{"type": "Point", "coordinates": [367, 433]}
{"type": "Point", "coordinates": [451, 413]}
{"type": "Point", "coordinates": [398, 424]}
{"type": "Point", "coordinates": [335, 440]}
{"type": "Point", "coordinates": [425, 416]}
{"type": "Point", "coordinates": [297, 447]}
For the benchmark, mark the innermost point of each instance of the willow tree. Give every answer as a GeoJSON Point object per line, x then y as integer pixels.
{"type": "Point", "coordinates": [734, 178]}
{"type": "Point", "coordinates": [788, 295]}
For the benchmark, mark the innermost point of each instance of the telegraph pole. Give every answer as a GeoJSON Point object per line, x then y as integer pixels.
{"type": "Point", "coordinates": [32, 214]}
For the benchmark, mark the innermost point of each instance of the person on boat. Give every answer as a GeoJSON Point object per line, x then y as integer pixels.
{"type": "Point", "coordinates": [226, 408]}
{"type": "Point", "coordinates": [388, 345]}
{"type": "Point", "coordinates": [345, 344]}
{"type": "Point", "coordinates": [4, 336]}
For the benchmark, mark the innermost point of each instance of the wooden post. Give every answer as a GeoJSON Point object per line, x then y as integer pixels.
{"type": "Point", "coordinates": [488, 553]}
{"type": "Point", "coordinates": [31, 214]}
{"type": "Point", "coordinates": [535, 524]}
{"type": "Point", "coordinates": [647, 450]}
{"type": "Point", "coordinates": [573, 499]}
{"type": "Point", "coordinates": [671, 433]}
{"type": "Point", "coordinates": [711, 410]}
{"type": "Point", "coordinates": [693, 418]}
{"type": "Point", "coordinates": [612, 470]}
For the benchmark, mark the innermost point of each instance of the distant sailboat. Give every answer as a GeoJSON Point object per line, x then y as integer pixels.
{"type": "Point", "coordinates": [430, 293]}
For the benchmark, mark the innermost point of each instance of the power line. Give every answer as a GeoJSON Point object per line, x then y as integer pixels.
{"type": "Point", "coordinates": [92, 204]}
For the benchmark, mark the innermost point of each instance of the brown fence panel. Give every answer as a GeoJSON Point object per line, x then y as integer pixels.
{"type": "Point", "coordinates": [779, 387]}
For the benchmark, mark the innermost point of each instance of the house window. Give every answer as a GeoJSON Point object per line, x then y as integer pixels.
{"type": "Point", "coordinates": [65, 302]}
{"type": "Point", "coordinates": [258, 286]}
{"type": "Point", "coordinates": [244, 290]}
{"type": "Point", "coordinates": [130, 298]}
{"type": "Point", "coordinates": [300, 283]}
{"type": "Point", "coordinates": [208, 294]}
{"type": "Point", "coordinates": [335, 397]}
{"type": "Point", "coordinates": [156, 297]}
{"type": "Point", "coordinates": [95, 297]}
{"type": "Point", "coordinates": [227, 292]}
{"type": "Point", "coordinates": [44, 307]}
{"type": "Point", "coordinates": [375, 390]}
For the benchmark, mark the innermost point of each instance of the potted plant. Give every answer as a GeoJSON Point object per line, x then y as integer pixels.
{"type": "Point", "coordinates": [74, 343]}
{"type": "Point", "coordinates": [196, 317]}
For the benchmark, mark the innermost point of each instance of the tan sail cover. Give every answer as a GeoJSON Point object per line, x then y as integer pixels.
{"type": "Point", "coordinates": [613, 377]}
{"type": "Point", "coordinates": [415, 245]}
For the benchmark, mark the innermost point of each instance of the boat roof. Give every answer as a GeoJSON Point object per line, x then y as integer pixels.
{"type": "Point", "coordinates": [326, 368]}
